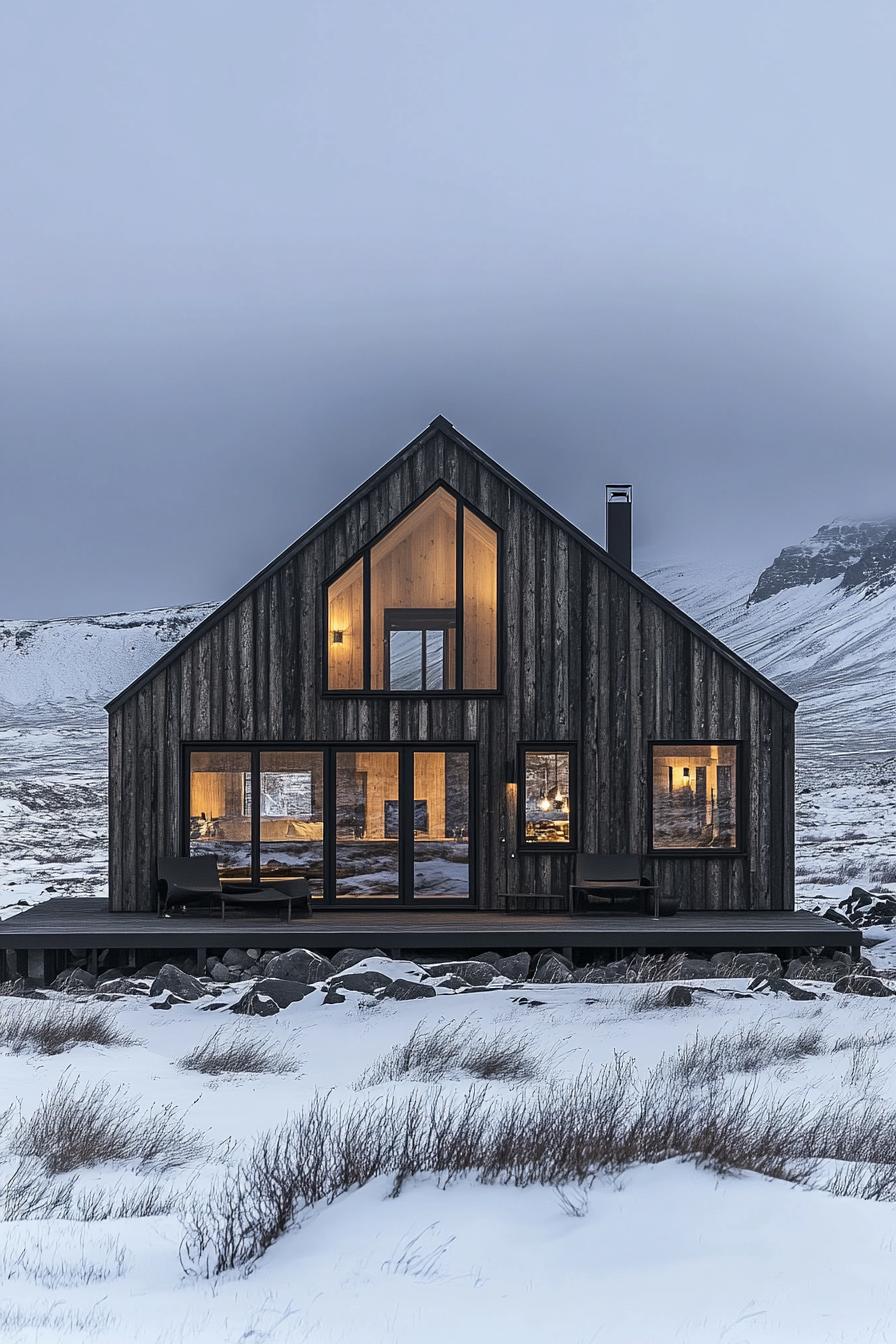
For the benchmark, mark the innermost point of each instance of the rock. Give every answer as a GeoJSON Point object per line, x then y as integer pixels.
{"type": "Point", "coordinates": [350, 956]}
{"type": "Point", "coordinates": [471, 972]}
{"type": "Point", "coordinates": [591, 975]}
{"type": "Point", "coordinates": [253, 953]}
{"type": "Point", "coordinates": [551, 971]}
{"type": "Point", "coordinates": [858, 899]}
{"type": "Point", "coordinates": [115, 973]}
{"type": "Point", "coordinates": [454, 982]}
{"type": "Point", "coordinates": [305, 967]}
{"type": "Point", "coordinates": [515, 967]}
{"type": "Point", "coordinates": [825, 968]}
{"type": "Point", "coordinates": [752, 964]}
{"type": "Point", "coordinates": [678, 996]}
{"type": "Point", "coordinates": [333, 996]}
{"type": "Point", "coordinates": [23, 988]}
{"type": "Point", "coordinates": [616, 970]}
{"type": "Point", "coordinates": [168, 1000]}
{"type": "Point", "coordinates": [149, 971]}
{"type": "Point", "coordinates": [775, 984]}
{"type": "Point", "coordinates": [836, 918]}
{"type": "Point", "coordinates": [867, 985]}
{"type": "Point", "coordinates": [237, 960]}
{"type": "Point", "coordinates": [74, 981]}
{"type": "Point", "coordinates": [407, 989]}
{"type": "Point", "coordinates": [556, 954]}
{"type": "Point", "coordinates": [123, 985]}
{"type": "Point", "coordinates": [223, 975]}
{"type": "Point", "coordinates": [692, 968]}
{"type": "Point", "coordinates": [721, 960]}
{"type": "Point", "coordinates": [491, 958]}
{"type": "Point", "coordinates": [362, 982]}
{"type": "Point", "coordinates": [175, 981]}
{"type": "Point", "coordinates": [283, 992]}
{"type": "Point", "coordinates": [254, 1004]}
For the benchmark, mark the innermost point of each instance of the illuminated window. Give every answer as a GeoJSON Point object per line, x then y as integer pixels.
{"type": "Point", "coordinates": [219, 823]}
{"type": "Point", "coordinates": [428, 586]}
{"type": "Point", "coordinates": [546, 783]}
{"type": "Point", "coordinates": [694, 795]}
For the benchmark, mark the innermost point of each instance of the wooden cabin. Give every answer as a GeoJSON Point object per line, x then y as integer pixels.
{"type": "Point", "coordinates": [440, 694]}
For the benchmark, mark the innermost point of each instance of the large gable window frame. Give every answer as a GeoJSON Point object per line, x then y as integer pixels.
{"type": "Point", "coordinates": [453, 619]}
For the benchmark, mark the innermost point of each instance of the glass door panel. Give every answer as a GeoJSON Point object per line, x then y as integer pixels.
{"type": "Point", "coordinates": [441, 857]}
{"type": "Point", "coordinates": [221, 811]}
{"type": "Point", "coordinates": [291, 816]}
{"type": "Point", "coordinates": [367, 825]}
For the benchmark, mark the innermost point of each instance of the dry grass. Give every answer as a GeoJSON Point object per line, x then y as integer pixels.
{"type": "Point", "coordinates": [52, 1267]}
{"type": "Point", "coordinates": [51, 1028]}
{"type": "Point", "coordinates": [76, 1127]}
{"type": "Point", "coordinates": [233, 1050]}
{"type": "Point", "coordinates": [452, 1048]}
{"type": "Point", "coordinates": [708, 1059]}
{"type": "Point", "coordinates": [554, 1135]}
{"type": "Point", "coordinates": [30, 1193]}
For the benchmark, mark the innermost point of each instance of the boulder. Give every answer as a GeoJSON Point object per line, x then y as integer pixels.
{"type": "Point", "coordinates": [115, 973]}
{"type": "Point", "coordinates": [23, 988]}
{"type": "Point", "coordinates": [720, 961]}
{"type": "Point", "coordinates": [515, 967]}
{"type": "Point", "coordinates": [556, 954]}
{"type": "Point", "coordinates": [407, 989]}
{"type": "Point", "coordinates": [867, 985]}
{"type": "Point", "coordinates": [551, 971]}
{"type": "Point", "coordinates": [595, 974]}
{"type": "Point", "coordinates": [122, 985]}
{"type": "Point", "coordinates": [693, 968]}
{"type": "Point", "coordinates": [836, 918]}
{"type": "Point", "coordinates": [74, 981]}
{"type": "Point", "coordinates": [253, 953]}
{"type": "Point", "coordinates": [362, 982]}
{"type": "Point", "coordinates": [471, 972]}
{"type": "Point", "coordinates": [491, 958]}
{"type": "Point", "coordinates": [223, 975]}
{"type": "Point", "coordinates": [305, 967]}
{"type": "Point", "coordinates": [752, 964]}
{"type": "Point", "coordinates": [333, 996]}
{"type": "Point", "coordinates": [616, 970]}
{"type": "Point", "coordinates": [453, 982]}
{"type": "Point", "coordinates": [776, 984]}
{"type": "Point", "coordinates": [167, 1000]}
{"type": "Point", "coordinates": [149, 970]}
{"type": "Point", "coordinates": [350, 956]}
{"type": "Point", "coordinates": [283, 992]}
{"type": "Point", "coordinates": [254, 1004]}
{"type": "Point", "coordinates": [236, 959]}
{"type": "Point", "coordinates": [677, 996]}
{"type": "Point", "coordinates": [173, 980]}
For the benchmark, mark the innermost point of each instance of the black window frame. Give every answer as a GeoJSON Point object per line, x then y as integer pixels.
{"type": "Point", "coordinates": [423, 619]}
{"type": "Point", "coordinates": [256, 748]}
{"type": "Point", "coordinates": [739, 849]}
{"type": "Point", "coordinates": [558, 748]}
{"type": "Point", "coordinates": [363, 553]}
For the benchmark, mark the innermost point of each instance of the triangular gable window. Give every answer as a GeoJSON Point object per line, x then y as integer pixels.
{"type": "Point", "coordinates": [417, 612]}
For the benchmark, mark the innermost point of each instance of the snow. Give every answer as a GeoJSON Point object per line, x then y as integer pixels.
{"type": "Point", "coordinates": [663, 1253]}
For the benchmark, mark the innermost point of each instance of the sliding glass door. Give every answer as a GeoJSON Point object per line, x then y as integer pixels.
{"type": "Point", "coordinates": [389, 825]}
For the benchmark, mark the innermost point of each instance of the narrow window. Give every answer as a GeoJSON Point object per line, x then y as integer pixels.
{"type": "Point", "coordinates": [694, 795]}
{"type": "Point", "coordinates": [546, 784]}
{"type": "Point", "coordinates": [345, 630]}
{"type": "Point", "coordinates": [291, 816]}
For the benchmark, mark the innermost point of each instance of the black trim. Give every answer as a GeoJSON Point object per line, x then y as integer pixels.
{"type": "Point", "coordinates": [405, 751]}
{"type": "Point", "coordinates": [442, 426]}
{"type": "Point", "coordinates": [740, 850]}
{"type": "Point", "coordinates": [525, 846]}
{"type": "Point", "coordinates": [422, 619]}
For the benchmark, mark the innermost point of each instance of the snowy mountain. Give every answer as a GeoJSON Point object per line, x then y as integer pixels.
{"type": "Point", "coordinates": [821, 621]}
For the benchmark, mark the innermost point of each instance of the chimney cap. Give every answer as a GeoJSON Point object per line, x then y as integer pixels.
{"type": "Point", "coordinates": [619, 494]}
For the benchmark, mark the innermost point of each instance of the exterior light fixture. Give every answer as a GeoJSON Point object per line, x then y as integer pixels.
{"type": "Point", "coordinates": [337, 636]}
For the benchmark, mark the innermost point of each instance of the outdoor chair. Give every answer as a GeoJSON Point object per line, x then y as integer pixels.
{"type": "Point", "coordinates": [194, 882]}
{"type": "Point", "coordinates": [607, 883]}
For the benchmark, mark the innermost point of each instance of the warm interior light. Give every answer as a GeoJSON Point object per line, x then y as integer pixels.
{"type": "Point", "coordinates": [544, 803]}
{"type": "Point", "coordinates": [337, 636]}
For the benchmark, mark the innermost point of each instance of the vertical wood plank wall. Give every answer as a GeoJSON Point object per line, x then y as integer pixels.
{"type": "Point", "coordinates": [586, 656]}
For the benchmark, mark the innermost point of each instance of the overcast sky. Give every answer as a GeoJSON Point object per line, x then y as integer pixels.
{"type": "Point", "coordinates": [247, 251]}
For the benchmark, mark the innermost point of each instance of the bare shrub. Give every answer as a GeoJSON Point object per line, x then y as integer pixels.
{"type": "Point", "coordinates": [883, 871]}
{"type": "Point", "coordinates": [51, 1028]}
{"type": "Point", "coordinates": [29, 1193]}
{"type": "Point", "coordinates": [79, 1127]}
{"type": "Point", "coordinates": [63, 1321]}
{"type": "Point", "coordinates": [861, 1180]}
{"type": "Point", "coordinates": [235, 1051]}
{"type": "Point", "coordinates": [456, 1047]}
{"type": "Point", "coordinates": [53, 1268]}
{"type": "Point", "coordinates": [707, 1059]}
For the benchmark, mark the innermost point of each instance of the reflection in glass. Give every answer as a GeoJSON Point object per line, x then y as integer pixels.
{"type": "Point", "coordinates": [366, 825]}
{"type": "Point", "coordinates": [547, 806]}
{"type": "Point", "coordinates": [694, 796]}
{"type": "Point", "coordinates": [291, 808]}
{"type": "Point", "coordinates": [441, 825]}
{"type": "Point", "coordinates": [219, 824]}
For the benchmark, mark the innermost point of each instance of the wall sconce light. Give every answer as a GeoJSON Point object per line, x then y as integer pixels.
{"type": "Point", "coordinates": [685, 772]}
{"type": "Point", "coordinates": [337, 636]}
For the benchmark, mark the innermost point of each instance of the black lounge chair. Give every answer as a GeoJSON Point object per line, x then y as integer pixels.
{"type": "Point", "coordinates": [194, 881]}
{"type": "Point", "coordinates": [605, 883]}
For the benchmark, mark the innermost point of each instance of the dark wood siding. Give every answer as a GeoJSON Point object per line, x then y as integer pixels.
{"type": "Point", "coordinates": [588, 656]}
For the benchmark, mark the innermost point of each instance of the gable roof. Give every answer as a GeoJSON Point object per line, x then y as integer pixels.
{"type": "Point", "coordinates": [442, 426]}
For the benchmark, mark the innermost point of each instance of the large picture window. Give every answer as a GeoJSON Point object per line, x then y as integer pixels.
{"type": "Point", "coordinates": [417, 612]}
{"type": "Point", "coordinates": [546, 784]}
{"type": "Point", "coordinates": [694, 796]}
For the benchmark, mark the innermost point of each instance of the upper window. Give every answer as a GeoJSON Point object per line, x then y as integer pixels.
{"type": "Point", "coordinates": [694, 802]}
{"type": "Point", "coordinates": [417, 611]}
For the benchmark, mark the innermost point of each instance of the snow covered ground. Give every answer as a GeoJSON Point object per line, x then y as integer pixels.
{"type": "Point", "coordinates": [665, 1252]}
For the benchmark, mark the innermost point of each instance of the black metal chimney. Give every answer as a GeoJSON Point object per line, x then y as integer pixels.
{"type": "Point", "coordinates": [619, 523]}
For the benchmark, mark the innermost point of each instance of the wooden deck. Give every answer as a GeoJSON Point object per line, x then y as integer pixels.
{"type": "Point", "coordinates": [79, 924]}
